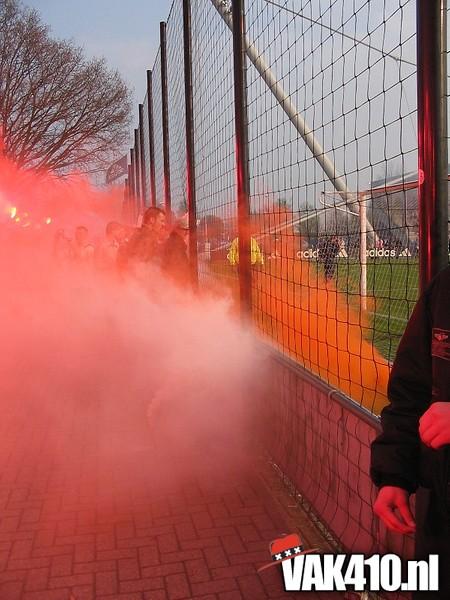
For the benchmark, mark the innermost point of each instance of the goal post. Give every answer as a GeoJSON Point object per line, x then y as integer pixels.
{"type": "Point", "coordinates": [379, 224]}
{"type": "Point", "coordinates": [352, 227]}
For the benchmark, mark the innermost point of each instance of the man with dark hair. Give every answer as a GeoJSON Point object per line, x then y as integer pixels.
{"type": "Point", "coordinates": [146, 243]}
{"type": "Point", "coordinates": [412, 453]}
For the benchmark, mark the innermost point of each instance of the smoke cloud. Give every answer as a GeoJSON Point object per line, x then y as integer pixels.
{"type": "Point", "coordinates": [112, 368]}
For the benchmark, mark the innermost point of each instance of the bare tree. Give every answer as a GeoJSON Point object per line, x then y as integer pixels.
{"type": "Point", "coordinates": [58, 110]}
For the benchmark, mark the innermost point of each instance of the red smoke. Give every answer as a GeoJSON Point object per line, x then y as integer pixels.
{"type": "Point", "coordinates": [37, 198]}
{"type": "Point", "coordinates": [111, 351]}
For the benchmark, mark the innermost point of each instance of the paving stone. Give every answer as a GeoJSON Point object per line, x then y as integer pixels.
{"type": "Point", "coordinates": [12, 590]}
{"type": "Point", "coordinates": [37, 579]}
{"type": "Point", "coordinates": [48, 595]}
{"type": "Point", "coordinates": [106, 583]}
{"type": "Point", "coordinates": [214, 587]}
{"type": "Point", "coordinates": [197, 570]}
{"type": "Point", "coordinates": [129, 569]}
{"type": "Point", "coordinates": [72, 529]}
{"type": "Point", "coordinates": [61, 565]}
{"type": "Point", "coordinates": [177, 587]}
{"type": "Point", "coordinates": [83, 592]}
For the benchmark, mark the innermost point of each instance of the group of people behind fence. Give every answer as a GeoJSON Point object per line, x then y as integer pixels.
{"type": "Point", "coordinates": [130, 250]}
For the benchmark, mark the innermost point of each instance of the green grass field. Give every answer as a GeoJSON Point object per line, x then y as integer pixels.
{"type": "Point", "coordinates": [392, 288]}
{"type": "Point", "coordinates": [392, 291]}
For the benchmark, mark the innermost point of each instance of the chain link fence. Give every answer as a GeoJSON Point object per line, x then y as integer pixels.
{"type": "Point", "coordinates": [215, 160]}
{"type": "Point", "coordinates": [332, 145]}
{"type": "Point", "coordinates": [177, 121]}
{"type": "Point", "coordinates": [342, 276]}
{"type": "Point", "coordinates": [158, 130]}
{"type": "Point", "coordinates": [333, 220]}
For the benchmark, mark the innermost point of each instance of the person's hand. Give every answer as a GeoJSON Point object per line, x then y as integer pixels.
{"type": "Point", "coordinates": [434, 425]}
{"type": "Point", "coordinates": [392, 507]}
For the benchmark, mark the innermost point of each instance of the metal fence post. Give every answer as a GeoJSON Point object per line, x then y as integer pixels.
{"type": "Point", "coordinates": [190, 141]}
{"type": "Point", "coordinates": [131, 172]}
{"type": "Point", "coordinates": [432, 137]}
{"type": "Point", "coordinates": [165, 121]}
{"type": "Point", "coordinates": [125, 203]}
{"type": "Point", "coordinates": [362, 205]}
{"type": "Point", "coordinates": [131, 177]}
{"type": "Point", "coordinates": [137, 177]}
{"type": "Point", "coordinates": [142, 157]}
{"type": "Point", "coordinates": [243, 180]}
{"type": "Point", "coordinates": [151, 135]}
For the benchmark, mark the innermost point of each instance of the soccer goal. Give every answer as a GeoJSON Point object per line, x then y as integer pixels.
{"type": "Point", "coordinates": [342, 224]}
{"type": "Point", "coordinates": [377, 226]}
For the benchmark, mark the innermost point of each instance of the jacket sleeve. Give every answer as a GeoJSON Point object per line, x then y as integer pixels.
{"type": "Point", "coordinates": [395, 452]}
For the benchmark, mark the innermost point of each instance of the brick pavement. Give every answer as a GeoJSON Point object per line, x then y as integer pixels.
{"type": "Point", "coordinates": [90, 508]}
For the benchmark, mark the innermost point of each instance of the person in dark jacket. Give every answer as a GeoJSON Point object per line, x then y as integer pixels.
{"type": "Point", "coordinates": [412, 453]}
{"type": "Point", "coordinates": [145, 245]}
{"type": "Point", "coordinates": [327, 250]}
{"type": "Point", "coordinates": [175, 261]}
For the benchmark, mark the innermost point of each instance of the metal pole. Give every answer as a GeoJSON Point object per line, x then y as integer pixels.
{"type": "Point", "coordinates": [130, 181]}
{"type": "Point", "coordinates": [137, 177]}
{"type": "Point", "coordinates": [126, 194]}
{"type": "Point", "coordinates": [132, 178]}
{"type": "Point", "coordinates": [131, 172]}
{"type": "Point", "coordinates": [190, 148]}
{"type": "Point", "coordinates": [151, 135]}
{"type": "Point", "coordinates": [165, 121]}
{"type": "Point", "coordinates": [291, 112]}
{"type": "Point", "coordinates": [243, 181]}
{"type": "Point", "coordinates": [363, 249]}
{"type": "Point", "coordinates": [286, 104]}
{"type": "Point", "coordinates": [142, 157]}
{"type": "Point", "coordinates": [432, 134]}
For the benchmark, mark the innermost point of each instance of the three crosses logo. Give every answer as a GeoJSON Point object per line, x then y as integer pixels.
{"type": "Point", "coordinates": [286, 548]}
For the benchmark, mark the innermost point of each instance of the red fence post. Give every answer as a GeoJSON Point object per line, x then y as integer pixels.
{"type": "Point", "coordinates": [142, 157]}
{"type": "Point", "coordinates": [137, 176]}
{"type": "Point", "coordinates": [132, 178]}
{"type": "Point", "coordinates": [165, 122]}
{"type": "Point", "coordinates": [243, 180]}
{"type": "Point", "coordinates": [190, 141]}
{"type": "Point", "coordinates": [151, 135]}
{"type": "Point", "coordinates": [432, 137]}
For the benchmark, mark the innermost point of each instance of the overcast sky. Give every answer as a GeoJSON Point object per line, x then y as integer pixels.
{"type": "Point", "coordinates": [125, 33]}
{"type": "Point", "coordinates": [358, 98]}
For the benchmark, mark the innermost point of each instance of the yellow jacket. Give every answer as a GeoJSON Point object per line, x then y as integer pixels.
{"type": "Point", "coordinates": [257, 257]}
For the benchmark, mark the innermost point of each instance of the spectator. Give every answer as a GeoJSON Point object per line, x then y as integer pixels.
{"type": "Point", "coordinates": [175, 261]}
{"type": "Point", "coordinates": [327, 250]}
{"type": "Point", "coordinates": [256, 255]}
{"type": "Point", "coordinates": [379, 243]}
{"type": "Point", "coordinates": [106, 253]}
{"type": "Point", "coordinates": [145, 245]}
{"type": "Point", "coordinates": [61, 247]}
{"type": "Point", "coordinates": [82, 250]}
{"type": "Point", "coordinates": [412, 453]}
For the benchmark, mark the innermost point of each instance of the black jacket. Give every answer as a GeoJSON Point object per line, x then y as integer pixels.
{"type": "Point", "coordinates": [420, 376]}
{"type": "Point", "coordinates": [175, 261]}
{"type": "Point", "coordinates": [143, 247]}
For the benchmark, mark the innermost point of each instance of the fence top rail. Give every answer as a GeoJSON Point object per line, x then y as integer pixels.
{"type": "Point", "coordinates": [350, 405]}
